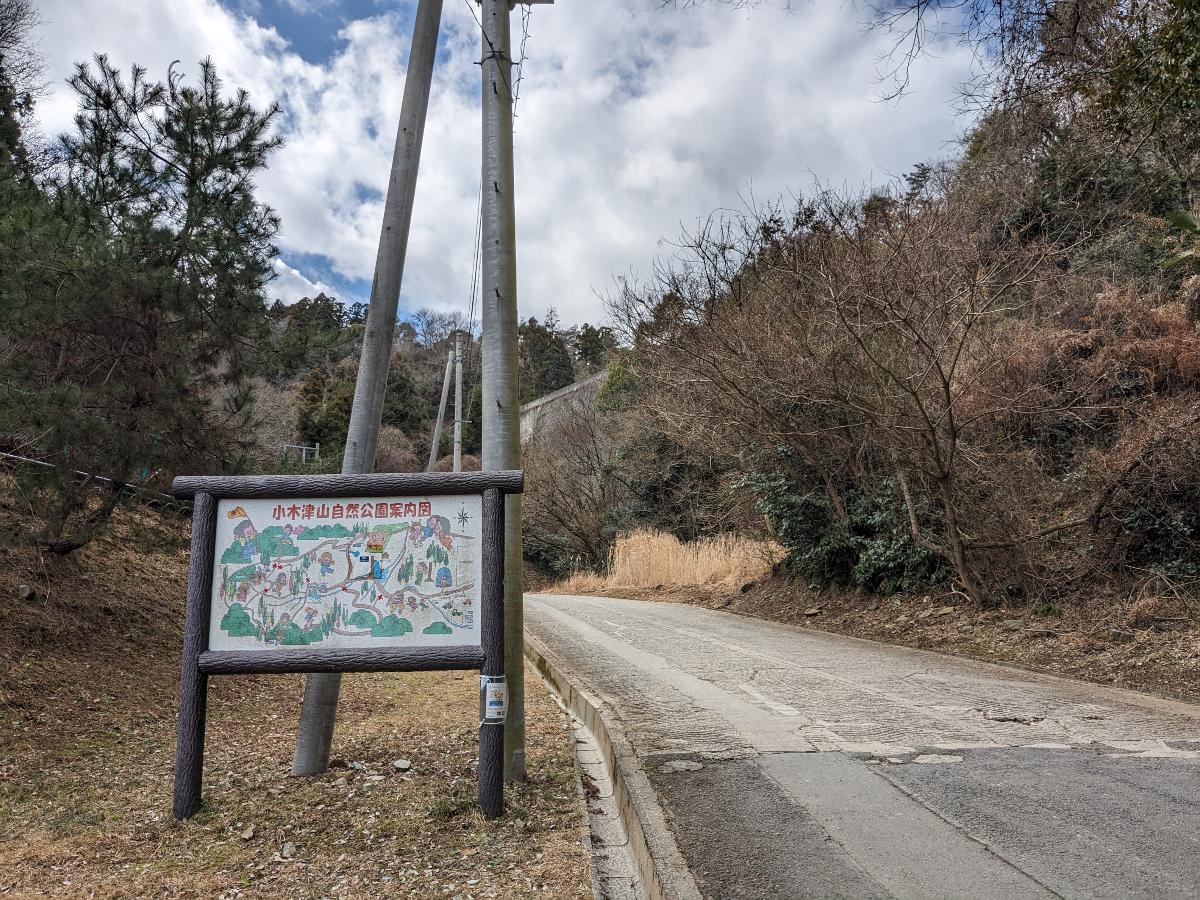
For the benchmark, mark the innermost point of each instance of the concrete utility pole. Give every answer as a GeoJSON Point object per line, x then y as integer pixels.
{"type": "Point", "coordinates": [458, 400]}
{"type": "Point", "coordinates": [501, 407]}
{"type": "Point", "coordinates": [319, 712]}
{"type": "Point", "coordinates": [441, 416]}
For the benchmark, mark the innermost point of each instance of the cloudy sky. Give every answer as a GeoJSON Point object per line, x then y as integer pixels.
{"type": "Point", "coordinates": [633, 121]}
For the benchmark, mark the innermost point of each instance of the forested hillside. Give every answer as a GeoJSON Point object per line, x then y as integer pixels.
{"type": "Point", "coordinates": [140, 332]}
{"type": "Point", "coordinates": [980, 379]}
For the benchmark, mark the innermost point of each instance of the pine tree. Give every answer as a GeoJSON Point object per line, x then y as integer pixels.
{"type": "Point", "coordinates": [545, 363]}
{"type": "Point", "coordinates": [593, 345]}
{"type": "Point", "coordinates": [133, 284]}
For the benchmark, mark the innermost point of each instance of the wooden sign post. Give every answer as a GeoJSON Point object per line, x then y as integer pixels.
{"type": "Point", "coordinates": [345, 573]}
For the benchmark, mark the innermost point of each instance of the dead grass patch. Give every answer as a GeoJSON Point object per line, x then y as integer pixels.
{"type": "Point", "coordinates": [648, 558]}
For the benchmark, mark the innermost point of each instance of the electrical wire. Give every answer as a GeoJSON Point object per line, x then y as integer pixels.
{"type": "Point", "coordinates": [514, 89]}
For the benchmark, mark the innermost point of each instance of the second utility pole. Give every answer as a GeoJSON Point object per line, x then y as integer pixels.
{"type": "Point", "coordinates": [501, 408]}
{"type": "Point", "coordinates": [458, 400]}
{"type": "Point", "coordinates": [319, 712]}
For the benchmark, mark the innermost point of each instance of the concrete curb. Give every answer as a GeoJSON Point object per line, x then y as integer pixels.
{"type": "Point", "coordinates": [660, 864]}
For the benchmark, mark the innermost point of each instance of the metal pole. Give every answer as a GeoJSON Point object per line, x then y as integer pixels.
{"type": "Point", "coordinates": [319, 712]}
{"type": "Point", "coordinates": [441, 416]}
{"type": "Point", "coordinates": [501, 409]}
{"type": "Point", "coordinates": [458, 400]}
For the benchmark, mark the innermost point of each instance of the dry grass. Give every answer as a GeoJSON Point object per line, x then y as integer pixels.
{"type": "Point", "coordinates": [647, 559]}
{"type": "Point", "coordinates": [87, 729]}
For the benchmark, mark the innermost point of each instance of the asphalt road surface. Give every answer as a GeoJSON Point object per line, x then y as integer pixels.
{"type": "Point", "coordinates": [793, 763]}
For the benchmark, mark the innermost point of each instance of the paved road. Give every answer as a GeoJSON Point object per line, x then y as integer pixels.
{"type": "Point", "coordinates": [833, 767]}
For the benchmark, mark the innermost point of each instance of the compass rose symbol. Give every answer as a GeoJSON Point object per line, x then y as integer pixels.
{"type": "Point", "coordinates": [463, 518]}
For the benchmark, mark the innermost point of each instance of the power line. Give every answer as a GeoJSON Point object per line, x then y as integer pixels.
{"type": "Point", "coordinates": [514, 89]}
{"type": "Point", "coordinates": [491, 47]}
{"type": "Point", "coordinates": [526, 14]}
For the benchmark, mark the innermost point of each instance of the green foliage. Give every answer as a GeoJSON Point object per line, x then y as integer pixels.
{"type": "Point", "coordinates": [131, 291]}
{"type": "Point", "coordinates": [1189, 224]}
{"type": "Point", "coordinates": [593, 345]}
{"type": "Point", "coordinates": [324, 413]}
{"type": "Point", "coordinates": [14, 157]}
{"type": "Point", "coordinates": [402, 407]}
{"type": "Point", "coordinates": [316, 332]}
{"type": "Point", "coordinates": [669, 487]}
{"type": "Point", "coordinates": [1048, 609]}
{"type": "Point", "coordinates": [363, 618]}
{"type": "Point", "coordinates": [438, 628]}
{"type": "Point", "coordinates": [1164, 532]}
{"type": "Point", "coordinates": [545, 363]}
{"type": "Point", "coordinates": [620, 384]}
{"type": "Point", "coordinates": [326, 398]}
{"type": "Point", "coordinates": [889, 560]}
{"type": "Point", "coordinates": [472, 430]}
{"type": "Point", "coordinates": [1149, 92]}
{"type": "Point", "coordinates": [873, 551]}
{"type": "Point", "coordinates": [818, 548]}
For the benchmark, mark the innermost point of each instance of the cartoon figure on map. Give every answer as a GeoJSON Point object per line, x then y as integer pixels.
{"type": "Point", "coordinates": [326, 562]}
{"type": "Point", "coordinates": [416, 534]}
{"type": "Point", "coordinates": [439, 527]}
{"type": "Point", "coordinates": [281, 583]}
{"type": "Point", "coordinates": [245, 539]}
{"type": "Point", "coordinates": [310, 616]}
{"type": "Point", "coordinates": [444, 578]}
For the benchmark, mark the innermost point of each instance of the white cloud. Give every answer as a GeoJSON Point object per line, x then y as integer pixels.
{"type": "Point", "coordinates": [632, 120]}
{"type": "Point", "coordinates": [290, 285]}
{"type": "Point", "coordinates": [309, 6]}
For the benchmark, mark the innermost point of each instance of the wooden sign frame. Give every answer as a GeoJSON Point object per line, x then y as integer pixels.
{"type": "Point", "coordinates": [199, 662]}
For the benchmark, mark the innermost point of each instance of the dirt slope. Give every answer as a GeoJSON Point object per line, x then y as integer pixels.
{"type": "Point", "coordinates": [89, 673]}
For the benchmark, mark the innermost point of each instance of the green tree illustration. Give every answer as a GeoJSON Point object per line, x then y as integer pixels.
{"type": "Point", "coordinates": [237, 622]}
{"type": "Point", "coordinates": [392, 626]}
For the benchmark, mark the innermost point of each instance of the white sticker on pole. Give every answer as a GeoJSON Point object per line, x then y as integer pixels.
{"type": "Point", "coordinates": [493, 699]}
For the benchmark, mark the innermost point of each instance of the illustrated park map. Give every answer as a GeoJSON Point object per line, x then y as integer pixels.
{"type": "Point", "coordinates": [338, 573]}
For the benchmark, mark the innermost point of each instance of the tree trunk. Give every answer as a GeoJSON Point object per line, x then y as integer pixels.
{"type": "Point", "coordinates": [958, 551]}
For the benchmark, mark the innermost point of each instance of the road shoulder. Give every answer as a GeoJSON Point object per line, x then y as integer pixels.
{"type": "Point", "coordinates": [661, 867]}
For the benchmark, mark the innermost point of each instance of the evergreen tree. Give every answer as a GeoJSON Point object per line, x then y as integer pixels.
{"type": "Point", "coordinates": [13, 156]}
{"type": "Point", "coordinates": [326, 398]}
{"type": "Point", "coordinates": [402, 406]}
{"type": "Point", "coordinates": [131, 290]}
{"type": "Point", "coordinates": [315, 334]}
{"type": "Point", "coordinates": [593, 345]}
{"type": "Point", "coordinates": [545, 363]}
